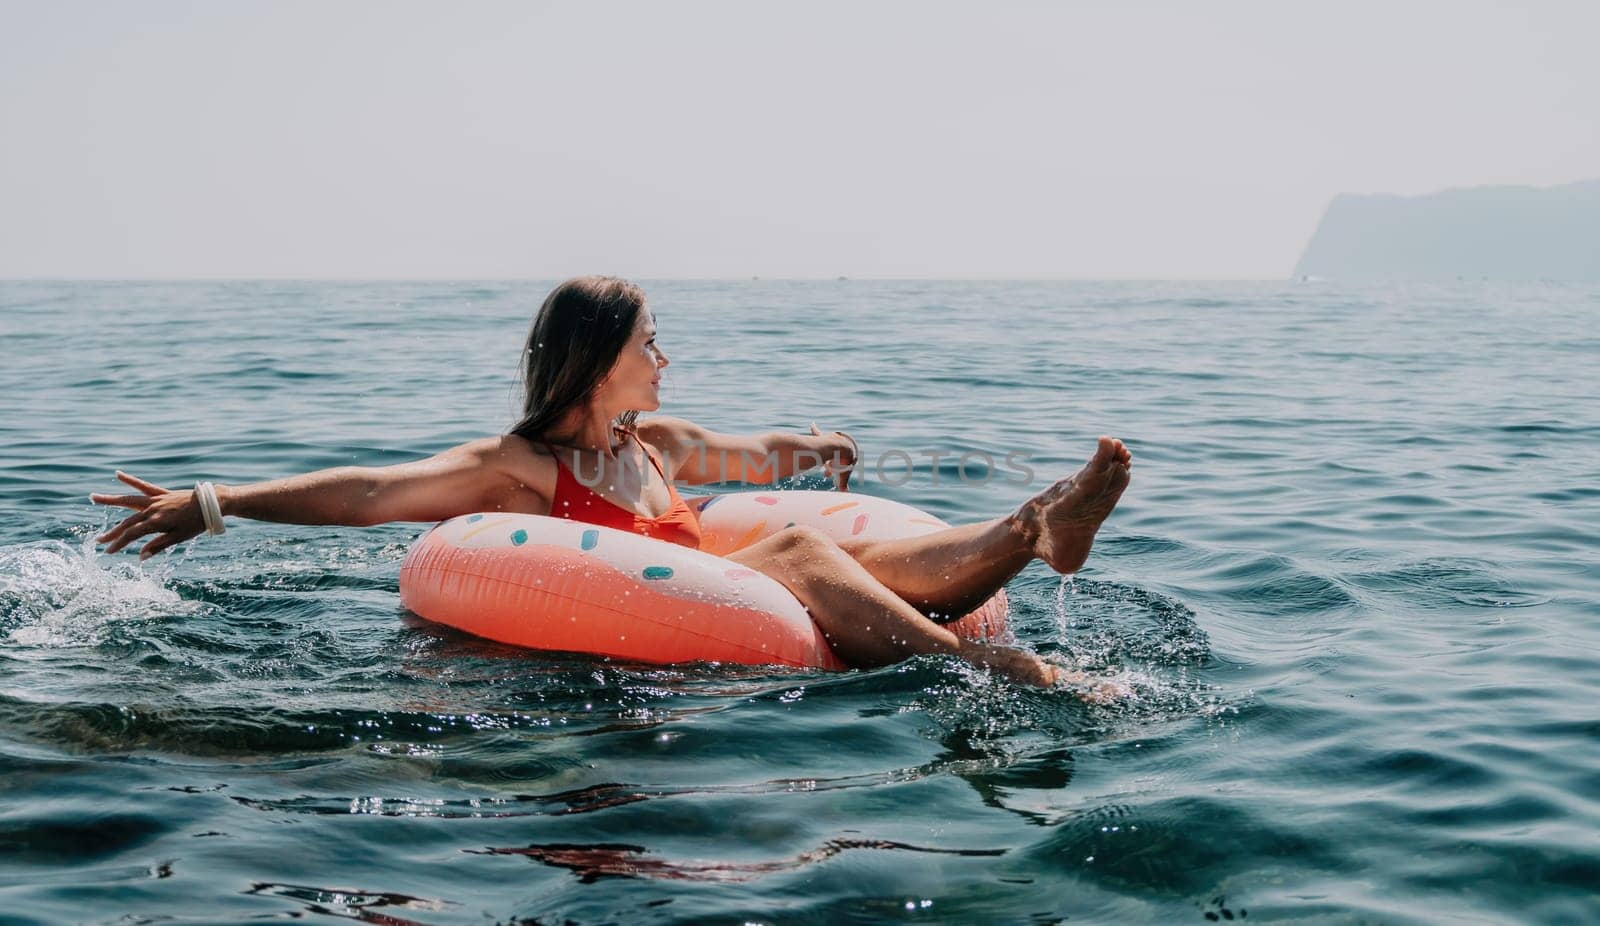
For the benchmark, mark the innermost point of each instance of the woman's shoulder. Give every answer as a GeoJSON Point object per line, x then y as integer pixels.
{"type": "Point", "coordinates": [501, 445]}
{"type": "Point", "coordinates": [664, 432]}
{"type": "Point", "coordinates": [529, 461]}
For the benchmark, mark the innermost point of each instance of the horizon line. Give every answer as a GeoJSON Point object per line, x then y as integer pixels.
{"type": "Point", "coordinates": [842, 278]}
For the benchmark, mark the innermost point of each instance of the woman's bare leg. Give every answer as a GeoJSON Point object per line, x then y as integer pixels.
{"type": "Point", "coordinates": [866, 623]}
{"type": "Point", "coordinates": [948, 573]}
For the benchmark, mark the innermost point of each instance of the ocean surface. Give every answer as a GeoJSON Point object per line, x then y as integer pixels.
{"type": "Point", "coordinates": [1355, 584]}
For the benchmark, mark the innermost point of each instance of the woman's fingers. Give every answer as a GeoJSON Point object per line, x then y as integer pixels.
{"type": "Point", "coordinates": [122, 525]}
{"type": "Point", "coordinates": [125, 533]}
{"type": "Point", "coordinates": [148, 488]}
{"type": "Point", "coordinates": [161, 543]}
{"type": "Point", "coordinates": [142, 526]}
{"type": "Point", "coordinates": [118, 536]}
{"type": "Point", "coordinates": [121, 501]}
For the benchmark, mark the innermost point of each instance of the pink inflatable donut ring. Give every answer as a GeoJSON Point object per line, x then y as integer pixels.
{"type": "Point", "coordinates": [554, 584]}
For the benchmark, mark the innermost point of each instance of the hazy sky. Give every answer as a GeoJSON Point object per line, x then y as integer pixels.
{"type": "Point", "coordinates": [672, 139]}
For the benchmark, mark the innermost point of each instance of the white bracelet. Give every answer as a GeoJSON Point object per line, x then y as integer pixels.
{"type": "Point", "coordinates": [210, 509]}
{"type": "Point", "coordinates": [855, 448]}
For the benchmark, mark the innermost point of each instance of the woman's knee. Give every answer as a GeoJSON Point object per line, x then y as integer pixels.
{"type": "Point", "coordinates": [806, 540]}
{"type": "Point", "coordinates": [796, 556]}
{"type": "Point", "coordinates": [806, 552]}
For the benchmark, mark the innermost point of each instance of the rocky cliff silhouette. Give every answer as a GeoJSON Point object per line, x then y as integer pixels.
{"type": "Point", "coordinates": [1497, 233]}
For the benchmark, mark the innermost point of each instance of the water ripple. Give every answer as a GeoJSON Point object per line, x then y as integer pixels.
{"type": "Point", "coordinates": [1352, 588]}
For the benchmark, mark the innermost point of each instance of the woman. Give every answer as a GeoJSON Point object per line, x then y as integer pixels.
{"type": "Point", "coordinates": [590, 366]}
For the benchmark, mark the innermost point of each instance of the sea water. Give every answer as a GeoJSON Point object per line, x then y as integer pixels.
{"type": "Point", "coordinates": [1354, 585]}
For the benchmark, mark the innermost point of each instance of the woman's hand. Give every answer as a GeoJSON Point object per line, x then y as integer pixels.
{"type": "Point", "coordinates": [173, 516]}
{"type": "Point", "coordinates": [843, 462]}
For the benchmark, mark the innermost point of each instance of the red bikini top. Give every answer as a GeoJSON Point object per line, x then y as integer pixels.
{"type": "Point", "coordinates": [577, 502]}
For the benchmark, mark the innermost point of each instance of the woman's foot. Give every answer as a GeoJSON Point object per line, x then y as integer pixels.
{"type": "Point", "coordinates": [1018, 665]}
{"type": "Point", "coordinates": [1024, 667]}
{"type": "Point", "coordinates": [1096, 689]}
{"type": "Point", "coordinates": [1062, 520]}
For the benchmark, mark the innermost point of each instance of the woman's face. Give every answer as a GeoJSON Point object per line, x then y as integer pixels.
{"type": "Point", "coordinates": [634, 384]}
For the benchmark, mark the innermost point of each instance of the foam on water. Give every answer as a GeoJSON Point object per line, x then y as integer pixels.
{"type": "Point", "coordinates": [54, 594]}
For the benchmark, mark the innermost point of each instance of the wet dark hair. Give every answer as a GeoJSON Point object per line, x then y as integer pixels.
{"type": "Point", "coordinates": [575, 341]}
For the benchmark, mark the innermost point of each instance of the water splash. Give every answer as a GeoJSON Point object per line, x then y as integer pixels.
{"type": "Point", "coordinates": [1064, 621]}
{"type": "Point", "coordinates": [54, 594]}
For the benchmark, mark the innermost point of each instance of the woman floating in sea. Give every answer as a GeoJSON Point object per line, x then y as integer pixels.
{"type": "Point", "coordinates": [590, 367]}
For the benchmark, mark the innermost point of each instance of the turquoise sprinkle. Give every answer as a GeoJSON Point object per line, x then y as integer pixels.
{"type": "Point", "coordinates": [474, 517]}
{"type": "Point", "coordinates": [658, 572]}
{"type": "Point", "coordinates": [519, 537]}
{"type": "Point", "coordinates": [590, 538]}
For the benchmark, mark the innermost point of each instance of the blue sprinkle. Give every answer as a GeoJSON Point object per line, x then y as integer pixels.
{"type": "Point", "coordinates": [590, 538]}
{"type": "Point", "coordinates": [474, 517]}
{"type": "Point", "coordinates": [709, 502]}
{"type": "Point", "coordinates": [658, 572]}
{"type": "Point", "coordinates": [519, 537]}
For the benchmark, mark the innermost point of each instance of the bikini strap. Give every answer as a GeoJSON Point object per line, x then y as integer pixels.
{"type": "Point", "coordinates": [553, 455]}
{"type": "Point", "coordinates": [651, 457]}
{"type": "Point", "coordinates": [648, 455]}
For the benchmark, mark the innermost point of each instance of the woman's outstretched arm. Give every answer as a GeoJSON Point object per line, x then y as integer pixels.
{"type": "Point", "coordinates": [699, 455]}
{"type": "Point", "coordinates": [471, 477]}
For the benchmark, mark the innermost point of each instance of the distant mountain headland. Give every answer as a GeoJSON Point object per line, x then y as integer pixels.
{"type": "Point", "coordinates": [1495, 232]}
